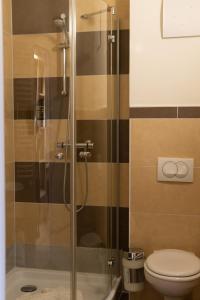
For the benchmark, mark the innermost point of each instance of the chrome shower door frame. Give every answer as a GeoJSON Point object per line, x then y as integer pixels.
{"type": "Point", "coordinates": [72, 40]}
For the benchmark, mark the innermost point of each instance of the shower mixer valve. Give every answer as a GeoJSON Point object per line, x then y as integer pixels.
{"type": "Point", "coordinates": [85, 147]}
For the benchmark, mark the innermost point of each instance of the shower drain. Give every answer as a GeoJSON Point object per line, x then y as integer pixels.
{"type": "Point", "coordinates": [28, 288]}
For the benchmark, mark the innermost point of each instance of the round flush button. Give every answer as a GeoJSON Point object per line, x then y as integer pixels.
{"type": "Point", "coordinates": [170, 169]}
{"type": "Point", "coordinates": [182, 169]}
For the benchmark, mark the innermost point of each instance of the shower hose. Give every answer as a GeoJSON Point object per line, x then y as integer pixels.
{"type": "Point", "coordinates": [85, 199]}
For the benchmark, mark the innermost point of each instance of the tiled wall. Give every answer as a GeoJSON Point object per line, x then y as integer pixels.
{"type": "Point", "coordinates": [40, 213]}
{"type": "Point", "coordinates": [9, 132]}
{"type": "Point", "coordinates": [163, 215]}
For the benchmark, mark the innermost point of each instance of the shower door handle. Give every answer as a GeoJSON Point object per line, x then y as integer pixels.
{"type": "Point", "coordinates": [64, 91]}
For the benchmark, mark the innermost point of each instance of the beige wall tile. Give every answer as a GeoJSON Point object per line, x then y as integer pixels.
{"type": "Point", "coordinates": [150, 196]}
{"type": "Point", "coordinates": [28, 46]}
{"type": "Point", "coordinates": [39, 143]}
{"type": "Point", "coordinates": [97, 188]}
{"type": "Point", "coordinates": [8, 76]}
{"type": "Point", "coordinates": [7, 16]}
{"type": "Point", "coordinates": [42, 224]}
{"type": "Point", "coordinates": [163, 215]}
{"type": "Point", "coordinates": [122, 11]}
{"type": "Point", "coordinates": [162, 231]}
{"type": "Point", "coordinates": [98, 22]}
{"type": "Point", "coordinates": [96, 97]}
{"type": "Point", "coordinates": [151, 138]}
{"type": "Point", "coordinates": [103, 185]}
{"type": "Point", "coordinates": [101, 22]}
{"type": "Point", "coordinates": [92, 97]}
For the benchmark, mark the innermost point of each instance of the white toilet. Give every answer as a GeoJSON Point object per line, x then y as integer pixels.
{"type": "Point", "coordinates": [174, 273]}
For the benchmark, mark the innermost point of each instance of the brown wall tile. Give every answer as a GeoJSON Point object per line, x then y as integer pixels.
{"type": "Point", "coordinates": [25, 94]}
{"type": "Point", "coordinates": [37, 17]}
{"type": "Point", "coordinates": [124, 185]}
{"type": "Point", "coordinates": [189, 112]}
{"type": "Point", "coordinates": [153, 112]}
{"type": "Point", "coordinates": [124, 96]}
{"type": "Point", "coordinates": [41, 182]}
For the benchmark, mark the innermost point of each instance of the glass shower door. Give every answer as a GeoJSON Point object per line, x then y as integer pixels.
{"type": "Point", "coordinates": [96, 114]}
{"type": "Point", "coordinates": [42, 168]}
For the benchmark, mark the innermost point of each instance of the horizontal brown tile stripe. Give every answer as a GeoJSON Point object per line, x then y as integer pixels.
{"type": "Point", "coordinates": [189, 112]}
{"type": "Point", "coordinates": [103, 134]}
{"type": "Point", "coordinates": [25, 98]}
{"type": "Point", "coordinates": [153, 112]}
{"type": "Point", "coordinates": [165, 112]}
{"type": "Point", "coordinates": [40, 182]}
{"type": "Point", "coordinates": [37, 16]}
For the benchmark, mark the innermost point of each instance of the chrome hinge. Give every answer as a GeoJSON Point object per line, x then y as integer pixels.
{"type": "Point", "coordinates": [111, 38]}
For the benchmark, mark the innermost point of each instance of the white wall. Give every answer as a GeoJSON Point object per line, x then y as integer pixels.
{"type": "Point", "coordinates": [163, 72]}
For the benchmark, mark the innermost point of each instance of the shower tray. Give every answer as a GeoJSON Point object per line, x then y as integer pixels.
{"type": "Point", "coordinates": [48, 284]}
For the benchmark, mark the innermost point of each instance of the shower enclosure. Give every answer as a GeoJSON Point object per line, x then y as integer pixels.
{"type": "Point", "coordinates": [66, 111]}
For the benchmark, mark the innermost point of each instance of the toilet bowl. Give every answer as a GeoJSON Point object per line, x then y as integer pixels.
{"type": "Point", "coordinates": [173, 273]}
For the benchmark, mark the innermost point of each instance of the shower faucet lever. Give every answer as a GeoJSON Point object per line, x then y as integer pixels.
{"type": "Point", "coordinates": [60, 156]}
{"type": "Point", "coordinates": [87, 145]}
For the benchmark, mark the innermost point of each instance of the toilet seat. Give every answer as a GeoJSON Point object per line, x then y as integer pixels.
{"type": "Point", "coordinates": [173, 265]}
{"type": "Point", "coordinates": [170, 278]}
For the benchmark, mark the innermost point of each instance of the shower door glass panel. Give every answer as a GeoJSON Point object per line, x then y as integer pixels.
{"type": "Point", "coordinates": [42, 185]}
{"type": "Point", "coordinates": [96, 129]}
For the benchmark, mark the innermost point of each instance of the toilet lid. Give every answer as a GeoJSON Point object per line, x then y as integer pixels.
{"type": "Point", "coordinates": [174, 263]}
